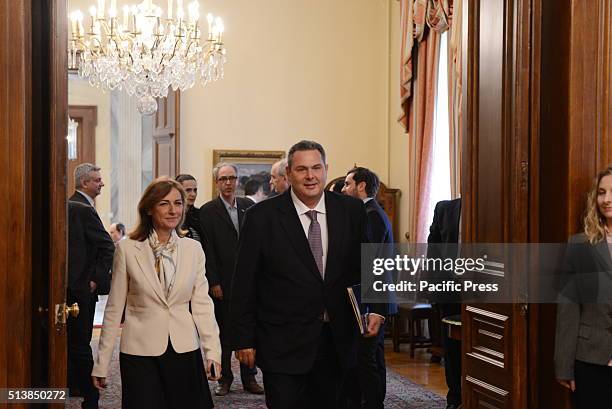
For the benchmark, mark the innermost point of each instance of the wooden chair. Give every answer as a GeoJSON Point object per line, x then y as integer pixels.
{"type": "Point", "coordinates": [413, 315]}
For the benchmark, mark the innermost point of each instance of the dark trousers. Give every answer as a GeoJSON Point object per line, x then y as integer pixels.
{"type": "Point", "coordinates": [227, 376]}
{"type": "Point", "coordinates": [452, 369]}
{"type": "Point", "coordinates": [80, 357]}
{"type": "Point", "coordinates": [367, 383]}
{"type": "Point", "coordinates": [593, 385]}
{"type": "Point", "coordinates": [452, 356]}
{"type": "Point", "coordinates": [169, 381]}
{"type": "Point", "coordinates": [319, 388]}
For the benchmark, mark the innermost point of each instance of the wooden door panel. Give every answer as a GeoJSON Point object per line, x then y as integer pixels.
{"type": "Point", "coordinates": [495, 208]}
{"type": "Point", "coordinates": [163, 162]}
{"type": "Point", "coordinates": [166, 136]}
{"type": "Point", "coordinates": [15, 190]}
{"type": "Point", "coordinates": [486, 396]}
{"type": "Point", "coordinates": [490, 334]}
{"type": "Point", "coordinates": [87, 119]}
{"type": "Point", "coordinates": [489, 15]}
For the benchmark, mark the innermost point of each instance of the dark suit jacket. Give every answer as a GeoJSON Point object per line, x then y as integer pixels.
{"type": "Point", "coordinates": [193, 226]}
{"type": "Point", "coordinates": [445, 225]}
{"type": "Point", "coordinates": [278, 295]}
{"type": "Point", "coordinates": [444, 235]}
{"type": "Point", "coordinates": [378, 229]}
{"type": "Point", "coordinates": [221, 241]}
{"type": "Point", "coordinates": [90, 250]}
{"type": "Point", "coordinates": [584, 311]}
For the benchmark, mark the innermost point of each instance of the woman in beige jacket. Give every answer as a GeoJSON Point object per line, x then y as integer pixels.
{"type": "Point", "coordinates": [156, 276]}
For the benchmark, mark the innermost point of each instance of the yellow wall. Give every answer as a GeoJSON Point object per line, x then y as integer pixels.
{"type": "Point", "coordinates": [297, 69]}
{"type": "Point", "coordinates": [398, 139]}
{"type": "Point", "coordinates": [81, 93]}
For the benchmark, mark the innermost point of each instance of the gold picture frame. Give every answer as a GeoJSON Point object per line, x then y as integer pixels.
{"type": "Point", "coordinates": [249, 164]}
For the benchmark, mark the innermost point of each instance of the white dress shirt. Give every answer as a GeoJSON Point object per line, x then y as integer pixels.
{"type": "Point", "coordinates": [302, 209]}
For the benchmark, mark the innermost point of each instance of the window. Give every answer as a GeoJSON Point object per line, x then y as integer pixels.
{"type": "Point", "coordinates": [440, 171]}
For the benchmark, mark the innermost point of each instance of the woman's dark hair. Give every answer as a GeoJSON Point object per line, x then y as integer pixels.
{"type": "Point", "coordinates": [153, 194]}
{"type": "Point", "coordinates": [183, 177]}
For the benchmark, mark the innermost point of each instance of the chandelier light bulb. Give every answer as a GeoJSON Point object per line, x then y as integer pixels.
{"type": "Point", "coordinates": [126, 13]}
{"type": "Point", "coordinates": [179, 9]}
{"type": "Point", "coordinates": [92, 11]}
{"type": "Point", "coordinates": [194, 13]}
{"type": "Point", "coordinates": [101, 8]}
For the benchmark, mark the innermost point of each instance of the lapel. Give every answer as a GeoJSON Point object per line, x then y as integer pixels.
{"type": "Point", "coordinates": [290, 222]}
{"type": "Point", "coordinates": [241, 209]}
{"type": "Point", "coordinates": [222, 211]}
{"type": "Point", "coordinates": [603, 255]}
{"type": "Point", "coordinates": [146, 262]}
{"type": "Point", "coordinates": [456, 216]}
{"type": "Point", "coordinates": [78, 197]}
{"type": "Point", "coordinates": [336, 227]}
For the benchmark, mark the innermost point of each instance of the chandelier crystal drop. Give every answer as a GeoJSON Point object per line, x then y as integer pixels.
{"type": "Point", "coordinates": [146, 51]}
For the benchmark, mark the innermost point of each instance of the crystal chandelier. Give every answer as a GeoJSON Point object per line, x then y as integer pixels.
{"type": "Point", "coordinates": [145, 52]}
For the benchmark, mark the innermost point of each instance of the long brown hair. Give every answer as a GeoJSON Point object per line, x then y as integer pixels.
{"type": "Point", "coordinates": [594, 221]}
{"type": "Point", "coordinates": [153, 194]}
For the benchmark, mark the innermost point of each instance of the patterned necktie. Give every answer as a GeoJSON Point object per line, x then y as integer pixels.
{"type": "Point", "coordinates": [314, 240]}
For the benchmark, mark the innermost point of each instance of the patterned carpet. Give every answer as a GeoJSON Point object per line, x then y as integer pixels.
{"type": "Point", "coordinates": [401, 393]}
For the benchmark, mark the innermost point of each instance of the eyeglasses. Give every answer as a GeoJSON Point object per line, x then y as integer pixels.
{"type": "Point", "coordinates": [225, 179]}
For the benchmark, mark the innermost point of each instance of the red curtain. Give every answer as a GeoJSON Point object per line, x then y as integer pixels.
{"type": "Point", "coordinates": [419, 70]}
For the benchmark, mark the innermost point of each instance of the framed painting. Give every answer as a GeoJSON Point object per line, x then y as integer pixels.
{"type": "Point", "coordinates": [250, 164]}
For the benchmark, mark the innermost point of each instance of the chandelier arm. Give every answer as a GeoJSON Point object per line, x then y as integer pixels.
{"type": "Point", "coordinates": [187, 50]}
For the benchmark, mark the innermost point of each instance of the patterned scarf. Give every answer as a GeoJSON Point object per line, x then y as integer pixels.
{"type": "Point", "coordinates": [164, 261]}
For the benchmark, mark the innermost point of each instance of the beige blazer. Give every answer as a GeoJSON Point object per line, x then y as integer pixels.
{"type": "Point", "coordinates": [150, 318]}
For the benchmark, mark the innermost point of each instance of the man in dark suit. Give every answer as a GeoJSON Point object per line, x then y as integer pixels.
{"type": "Point", "coordinates": [90, 256]}
{"type": "Point", "coordinates": [361, 183]}
{"type": "Point", "coordinates": [445, 230]}
{"type": "Point", "coordinates": [254, 190]}
{"type": "Point", "coordinates": [221, 219]}
{"type": "Point", "coordinates": [290, 312]}
{"type": "Point", "coordinates": [88, 185]}
{"type": "Point", "coordinates": [278, 178]}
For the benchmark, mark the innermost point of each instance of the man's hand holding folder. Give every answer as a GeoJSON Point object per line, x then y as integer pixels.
{"type": "Point", "coordinates": [368, 324]}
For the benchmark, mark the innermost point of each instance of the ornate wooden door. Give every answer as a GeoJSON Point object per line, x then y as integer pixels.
{"type": "Point", "coordinates": [495, 194]}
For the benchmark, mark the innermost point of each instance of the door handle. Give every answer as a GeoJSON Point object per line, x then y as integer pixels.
{"type": "Point", "coordinates": [62, 311]}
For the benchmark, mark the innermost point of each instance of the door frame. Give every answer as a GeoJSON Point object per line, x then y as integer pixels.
{"type": "Point", "coordinates": [58, 111]}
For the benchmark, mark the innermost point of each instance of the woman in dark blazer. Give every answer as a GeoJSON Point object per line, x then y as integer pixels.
{"type": "Point", "coordinates": [583, 342]}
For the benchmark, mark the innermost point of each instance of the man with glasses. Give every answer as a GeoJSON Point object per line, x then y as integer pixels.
{"type": "Point", "coordinates": [221, 219]}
